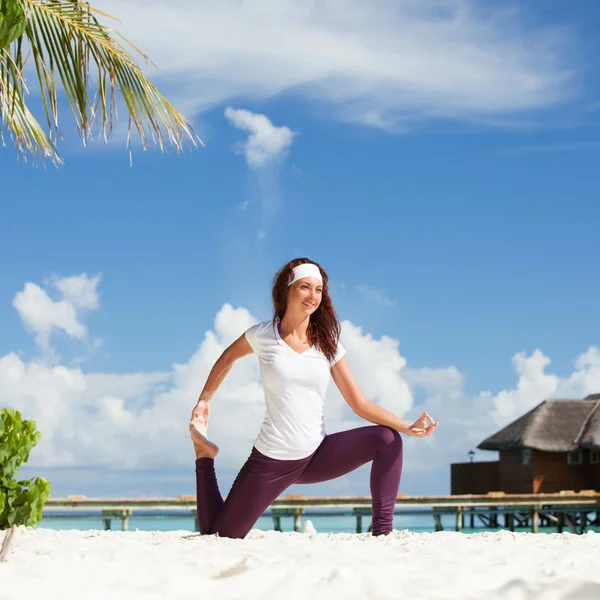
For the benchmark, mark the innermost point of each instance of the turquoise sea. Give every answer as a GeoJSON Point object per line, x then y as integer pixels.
{"type": "Point", "coordinates": [323, 523]}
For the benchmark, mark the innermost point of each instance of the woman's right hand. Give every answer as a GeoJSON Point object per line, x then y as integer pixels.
{"type": "Point", "coordinates": [201, 410]}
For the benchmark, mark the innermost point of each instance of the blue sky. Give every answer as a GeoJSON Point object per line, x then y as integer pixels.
{"type": "Point", "coordinates": [462, 224]}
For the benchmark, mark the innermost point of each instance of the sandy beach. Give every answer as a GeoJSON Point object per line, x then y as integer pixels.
{"type": "Point", "coordinates": [178, 564]}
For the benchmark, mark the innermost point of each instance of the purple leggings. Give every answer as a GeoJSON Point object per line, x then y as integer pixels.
{"type": "Point", "coordinates": [262, 479]}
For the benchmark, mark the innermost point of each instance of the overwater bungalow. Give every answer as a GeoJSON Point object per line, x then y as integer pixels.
{"type": "Point", "coordinates": [554, 447]}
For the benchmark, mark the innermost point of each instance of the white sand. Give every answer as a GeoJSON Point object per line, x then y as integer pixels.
{"type": "Point", "coordinates": [89, 565]}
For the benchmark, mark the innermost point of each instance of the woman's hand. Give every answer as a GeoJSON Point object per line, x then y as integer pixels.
{"type": "Point", "coordinates": [424, 426]}
{"type": "Point", "coordinates": [202, 409]}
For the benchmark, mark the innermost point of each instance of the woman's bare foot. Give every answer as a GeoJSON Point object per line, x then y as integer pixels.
{"type": "Point", "coordinates": [202, 445]}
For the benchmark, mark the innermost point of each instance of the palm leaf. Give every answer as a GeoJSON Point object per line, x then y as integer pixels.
{"type": "Point", "coordinates": [27, 134]}
{"type": "Point", "coordinates": [73, 52]}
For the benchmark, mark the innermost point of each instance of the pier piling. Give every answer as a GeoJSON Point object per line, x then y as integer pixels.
{"type": "Point", "coordinates": [109, 515]}
{"type": "Point", "coordinates": [459, 518]}
{"type": "Point", "coordinates": [568, 511]}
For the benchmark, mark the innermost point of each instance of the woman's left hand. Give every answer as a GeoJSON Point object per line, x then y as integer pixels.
{"type": "Point", "coordinates": [424, 426]}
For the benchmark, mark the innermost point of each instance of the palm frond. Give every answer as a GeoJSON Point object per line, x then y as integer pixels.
{"type": "Point", "coordinates": [27, 134]}
{"type": "Point", "coordinates": [71, 50]}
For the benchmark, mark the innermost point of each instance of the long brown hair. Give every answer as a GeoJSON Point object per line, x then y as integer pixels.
{"type": "Point", "coordinates": [324, 328]}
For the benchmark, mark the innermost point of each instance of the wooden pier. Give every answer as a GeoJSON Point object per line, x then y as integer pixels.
{"type": "Point", "coordinates": [564, 511]}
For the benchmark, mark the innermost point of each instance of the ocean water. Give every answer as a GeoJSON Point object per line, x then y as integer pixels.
{"type": "Point", "coordinates": [322, 522]}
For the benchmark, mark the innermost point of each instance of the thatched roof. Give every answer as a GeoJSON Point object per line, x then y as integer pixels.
{"type": "Point", "coordinates": [552, 426]}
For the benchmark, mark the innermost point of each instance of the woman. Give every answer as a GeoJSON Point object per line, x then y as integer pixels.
{"type": "Point", "coordinates": [297, 352]}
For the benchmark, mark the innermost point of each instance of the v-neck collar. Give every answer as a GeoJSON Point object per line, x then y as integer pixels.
{"type": "Point", "coordinates": [282, 341]}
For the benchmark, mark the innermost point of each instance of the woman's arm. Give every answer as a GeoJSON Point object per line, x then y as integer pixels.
{"type": "Point", "coordinates": [371, 411]}
{"type": "Point", "coordinates": [217, 374]}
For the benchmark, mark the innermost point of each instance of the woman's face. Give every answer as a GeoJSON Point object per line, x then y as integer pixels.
{"type": "Point", "coordinates": [305, 295]}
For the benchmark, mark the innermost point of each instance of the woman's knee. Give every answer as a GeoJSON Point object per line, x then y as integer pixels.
{"type": "Point", "coordinates": [389, 437]}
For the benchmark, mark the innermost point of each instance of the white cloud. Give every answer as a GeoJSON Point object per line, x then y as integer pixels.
{"type": "Point", "coordinates": [535, 384]}
{"type": "Point", "coordinates": [108, 421]}
{"type": "Point", "coordinates": [378, 367]}
{"type": "Point", "coordinates": [265, 141]}
{"type": "Point", "coordinates": [264, 150]}
{"type": "Point", "coordinates": [382, 63]}
{"type": "Point", "coordinates": [466, 420]}
{"type": "Point", "coordinates": [42, 315]}
{"type": "Point", "coordinates": [85, 419]}
{"type": "Point", "coordinates": [79, 290]}
{"type": "Point", "coordinates": [533, 387]}
{"type": "Point", "coordinates": [139, 420]}
{"type": "Point", "coordinates": [585, 379]}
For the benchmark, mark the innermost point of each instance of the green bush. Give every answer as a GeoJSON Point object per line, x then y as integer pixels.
{"type": "Point", "coordinates": [21, 502]}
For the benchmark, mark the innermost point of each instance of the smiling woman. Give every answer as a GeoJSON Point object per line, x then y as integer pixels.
{"type": "Point", "coordinates": [299, 351]}
{"type": "Point", "coordinates": [67, 43]}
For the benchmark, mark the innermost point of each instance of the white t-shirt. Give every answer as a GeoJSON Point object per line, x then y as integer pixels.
{"type": "Point", "coordinates": [295, 386]}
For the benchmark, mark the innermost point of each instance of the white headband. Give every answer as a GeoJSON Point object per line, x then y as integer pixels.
{"type": "Point", "coordinates": [306, 270]}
